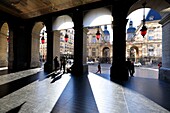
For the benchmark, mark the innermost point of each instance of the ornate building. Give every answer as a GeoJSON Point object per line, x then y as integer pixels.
{"type": "Point", "coordinates": [148, 49]}
{"type": "Point", "coordinates": [67, 47]}
{"type": "Point", "coordinates": [99, 50]}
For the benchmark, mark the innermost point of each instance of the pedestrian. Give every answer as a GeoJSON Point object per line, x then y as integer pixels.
{"type": "Point", "coordinates": [99, 68]}
{"type": "Point", "coordinates": [56, 63]}
{"type": "Point", "coordinates": [159, 65]}
{"type": "Point", "coordinates": [63, 64]}
{"type": "Point", "coordinates": [132, 70]}
{"type": "Point", "coordinates": [130, 67]}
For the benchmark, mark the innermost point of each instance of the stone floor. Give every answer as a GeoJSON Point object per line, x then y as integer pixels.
{"type": "Point", "coordinates": [34, 91]}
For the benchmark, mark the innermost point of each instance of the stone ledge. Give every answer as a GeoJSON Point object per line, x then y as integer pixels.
{"type": "Point", "coordinates": [164, 74]}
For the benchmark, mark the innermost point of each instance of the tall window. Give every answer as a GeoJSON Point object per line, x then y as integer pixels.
{"type": "Point", "coordinates": [93, 39]}
{"type": "Point", "coordinates": [93, 52]}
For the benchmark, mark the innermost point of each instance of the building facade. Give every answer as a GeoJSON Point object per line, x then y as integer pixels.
{"type": "Point", "coordinates": [147, 49]}
{"type": "Point", "coordinates": [66, 47]}
{"type": "Point", "coordinates": [99, 50]}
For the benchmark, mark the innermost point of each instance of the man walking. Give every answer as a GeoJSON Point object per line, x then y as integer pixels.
{"type": "Point", "coordinates": [56, 63]}
{"type": "Point", "coordinates": [99, 68]}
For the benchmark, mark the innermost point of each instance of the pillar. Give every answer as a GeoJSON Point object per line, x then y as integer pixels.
{"type": "Point", "coordinates": [118, 69]}
{"type": "Point", "coordinates": [164, 71]}
{"type": "Point", "coordinates": [79, 67]}
{"type": "Point", "coordinates": [35, 58]}
{"type": "Point", "coordinates": [56, 44]}
{"type": "Point", "coordinates": [11, 53]}
{"type": "Point", "coordinates": [48, 66]}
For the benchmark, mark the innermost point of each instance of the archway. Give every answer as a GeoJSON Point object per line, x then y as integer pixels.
{"type": "Point", "coordinates": [35, 45]}
{"type": "Point", "coordinates": [4, 42]}
{"type": "Point", "coordinates": [64, 39]}
{"type": "Point", "coordinates": [149, 46]}
{"type": "Point", "coordinates": [106, 55]}
{"type": "Point", "coordinates": [134, 53]}
{"type": "Point", "coordinates": [98, 49]}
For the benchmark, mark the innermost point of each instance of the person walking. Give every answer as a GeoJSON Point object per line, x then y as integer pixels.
{"type": "Point", "coordinates": [63, 64]}
{"type": "Point", "coordinates": [99, 68]}
{"type": "Point", "coordinates": [130, 67]}
{"type": "Point", "coordinates": [132, 70]}
{"type": "Point", "coordinates": [56, 64]}
{"type": "Point", "coordinates": [128, 63]}
{"type": "Point", "coordinates": [159, 65]}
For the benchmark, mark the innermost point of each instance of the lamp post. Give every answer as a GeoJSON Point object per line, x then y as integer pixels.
{"type": "Point", "coordinates": [98, 37]}
{"type": "Point", "coordinates": [98, 34]}
{"type": "Point", "coordinates": [66, 37]}
{"type": "Point", "coordinates": [66, 40]}
{"type": "Point", "coordinates": [144, 29]}
{"type": "Point", "coordinates": [42, 42]}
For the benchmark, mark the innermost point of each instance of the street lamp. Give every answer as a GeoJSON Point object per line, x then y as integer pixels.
{"type": "Point", "coordinates": [42, 38]}
{"type": "Point", "coordinates": [144, 29]}
{"type": "Point", "coordinates": [98, 37]}
{"type": "Point", "coordinates": [42, 42]}
{"type": "Point", "coordinates": [98, 34]}
{"type": "Point", "coordinates": [66, 37]}
{"type": "Point", "coordinates": [66, 40]}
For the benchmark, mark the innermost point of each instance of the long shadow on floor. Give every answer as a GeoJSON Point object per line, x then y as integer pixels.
{"type": "Point", "coordinates": [56, 76]}
{"type": "Point", "coordinates": [156, 90]}
{"type": "Point", "coordinates": [10, 87]}
{"type": "Point", "coordinates": [17, 109]}
{"type": "Point", "coordinates": [77, 97]}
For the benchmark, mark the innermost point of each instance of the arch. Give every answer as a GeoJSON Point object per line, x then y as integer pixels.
{"type": "Point", "coordinates": [160, 6]}
{"type": "Point", "coordinates": [4, 36]}
{"type": "Point", "coordinates": [96, 17]}
{"type": "Point", "coordinates": [106, 55]}
{"type": "Point", "coordinates": [35, 56]}
{"type": "Point", "coordinates": [134, 53]}
{"type": "Point", "coordinates": [62, 22]}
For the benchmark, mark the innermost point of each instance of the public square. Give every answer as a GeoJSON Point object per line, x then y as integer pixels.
{"type": "Point", "coordinates": [33, 91]}
{"type": "Point", "coordinates": [141, 72]}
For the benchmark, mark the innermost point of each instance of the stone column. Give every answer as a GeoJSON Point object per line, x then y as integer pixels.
{"type": "Point", "coordinates": [56, 46]}
{"type": "Point", "coordinates": [35, 59]}
{"type": "Point", "coordinates": [118, 69]}
{"type": "Point", "coordinates": [79, 67]}
{"type": "Point", "coordinates": [164, 71]}
{"type": "Point", "coordinates": [85, 30]}
{"type": "Point", "coordinates": [11, 53]}
{"type": "Point", "coordinates": [48, 66]}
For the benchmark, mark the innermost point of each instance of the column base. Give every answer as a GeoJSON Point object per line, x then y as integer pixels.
{"type": "Point", "coordinates": [164, 74]}
{"type": "Point", "coordinates": [48, 67]}
{"type": "Point", "coordinates": [118, 73]}
{"type": "Point", "coordinates": [80, 70]}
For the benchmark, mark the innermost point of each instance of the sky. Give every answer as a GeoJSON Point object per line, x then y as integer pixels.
{"type": "Point", "coordinates": [137, 16]}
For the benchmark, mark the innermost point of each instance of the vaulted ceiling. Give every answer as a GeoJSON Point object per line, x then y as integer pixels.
{"type": "Point", "coordinates": [34, 8]}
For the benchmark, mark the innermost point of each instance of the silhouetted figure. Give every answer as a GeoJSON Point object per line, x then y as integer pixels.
{"type": "Point", "coordinates": [159, 65]}
{"type": "Point", "coordinates": [99, 68]}
{"type": "Point", "coordinates": [56, 63]}
{"type": "Point", "coordinates": [132, 70]}
{"type": "Point", "coordinates": [63, 64]}
{"type": "Point", "coordinates": [130, 67]}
